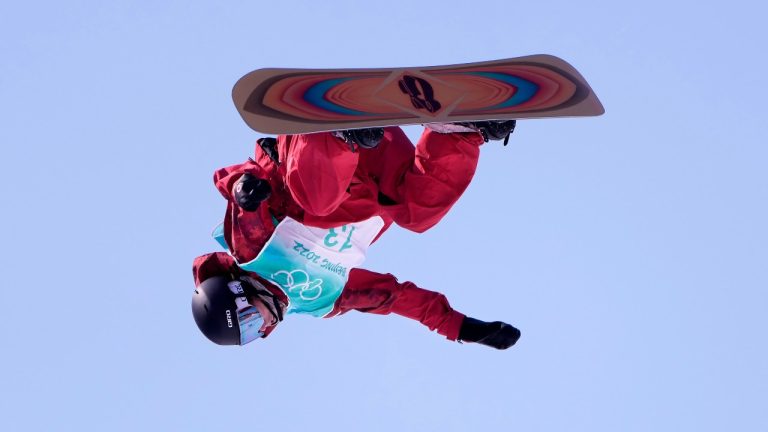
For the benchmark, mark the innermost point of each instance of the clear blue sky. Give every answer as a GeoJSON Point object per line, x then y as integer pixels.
{"type": "Point", "coordinates": [631, 249]}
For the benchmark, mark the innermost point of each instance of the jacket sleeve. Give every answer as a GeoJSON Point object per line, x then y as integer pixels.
{"type": "Point", "coordinates": [382, 294]}
{"type": "Point", "coordinates": [212, 264]}
{"type": "Point", "coordinates": [245, 232]}
{"type": "Point", "coordinates": [225, 178]}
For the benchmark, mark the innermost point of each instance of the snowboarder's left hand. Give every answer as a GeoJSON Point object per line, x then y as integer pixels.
{"type": "Point", "coordinates": [249, 191]}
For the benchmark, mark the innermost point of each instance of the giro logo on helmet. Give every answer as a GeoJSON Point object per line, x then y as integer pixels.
{"type": "Point", "coordinates": [229, 319]}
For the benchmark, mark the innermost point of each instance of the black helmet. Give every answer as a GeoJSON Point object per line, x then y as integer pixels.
{"type": "Point", "coordinates": [224, 315]}
{"type": "Point", "coordinates": [214, 309]}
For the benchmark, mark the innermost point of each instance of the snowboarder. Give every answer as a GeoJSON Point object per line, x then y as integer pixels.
{"type": "Point", "coordinates": [301, 215]}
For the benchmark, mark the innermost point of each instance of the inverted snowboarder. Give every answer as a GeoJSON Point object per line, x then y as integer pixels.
{"type": "Point", "coordinates": [301, 215]}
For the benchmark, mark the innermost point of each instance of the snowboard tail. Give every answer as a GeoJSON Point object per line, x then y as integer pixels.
{"type": "Point", "coordinates": [288, 101]}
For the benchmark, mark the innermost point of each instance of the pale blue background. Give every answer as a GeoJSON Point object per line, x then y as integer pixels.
{"type": "Point", "coordinates": [630, 248]}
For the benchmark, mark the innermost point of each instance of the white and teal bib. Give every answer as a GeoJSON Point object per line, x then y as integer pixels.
{"type": "Point", "coordinates": [311, 265]}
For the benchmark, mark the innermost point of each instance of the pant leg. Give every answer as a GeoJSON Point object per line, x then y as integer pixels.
{"type": "Point", "coordinates": [421, 185]}
{"type": "Point", "coordinates": [319, 169]}
{"type": "Point", "coordinates": [382, 294]}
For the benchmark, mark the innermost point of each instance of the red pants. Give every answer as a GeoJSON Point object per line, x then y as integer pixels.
{"type": "Point", "coordinates": [414, 187]}
{"type": "Point", "coordinates": [321, 182]}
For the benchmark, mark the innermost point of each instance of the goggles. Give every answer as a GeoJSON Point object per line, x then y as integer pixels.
{"type": "Point", "coordinates": [249, 318]}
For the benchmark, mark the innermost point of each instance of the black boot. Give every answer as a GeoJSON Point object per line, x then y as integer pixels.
{"type": "Point", "coordinates": [494, 129]}
{"type": "Point", "coordinates": [495, 334]}
{"type": "Point", "coordinates": [365, 138]}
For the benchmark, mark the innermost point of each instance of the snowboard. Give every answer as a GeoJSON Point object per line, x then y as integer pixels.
{"type": "Point", "coordinates": [293, 101]}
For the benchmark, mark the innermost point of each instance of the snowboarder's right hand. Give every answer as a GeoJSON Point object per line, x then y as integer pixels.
{"type": "Point", "coordinates": [249, 191]}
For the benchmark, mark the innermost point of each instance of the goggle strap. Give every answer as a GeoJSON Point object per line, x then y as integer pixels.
{"type": "Point", "coordinates": [279, 309]}
{"type": "Point", "coordinates": [235, 271]}
{"type": "Point", "coordinates": [269, 306]}
{"type": "Point", "coordinates": [260, 291]}
{"type": "Point", "coordinates": [241, 302]}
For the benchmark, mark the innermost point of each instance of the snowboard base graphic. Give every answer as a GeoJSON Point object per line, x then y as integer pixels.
{"type": "Point", "coordinates": [292, 101]}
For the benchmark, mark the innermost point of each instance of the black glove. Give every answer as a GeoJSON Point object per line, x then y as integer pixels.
{"type": "Point", "coordinates": [250, 191]}
{"type": "Point", "coordinates": [495, 334]}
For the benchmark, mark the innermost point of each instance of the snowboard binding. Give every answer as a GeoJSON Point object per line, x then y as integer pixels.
{"type": "Point", "coordinates": [495, 130]}
{"type": "Point", "coordinates": [489, 129]}
{"type": "Point", "coordinates": [366, 138]}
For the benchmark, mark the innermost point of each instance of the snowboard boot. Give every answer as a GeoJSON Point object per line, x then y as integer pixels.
{"type": "Point", "coordinates": [495, 334]}
{"type": "Point", "coordinates": [365, 138]}
{"type": "Point", "coordinates": [493, 129]}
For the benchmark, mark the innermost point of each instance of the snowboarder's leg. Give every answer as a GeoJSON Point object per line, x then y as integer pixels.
{"type": "Point", "coordinates": [319, 168]}
{"type": "Point", "coordinates": [419, 186]}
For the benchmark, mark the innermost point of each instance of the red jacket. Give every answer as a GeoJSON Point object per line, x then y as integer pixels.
{"type": "Point", "coordinates": [321, 182]}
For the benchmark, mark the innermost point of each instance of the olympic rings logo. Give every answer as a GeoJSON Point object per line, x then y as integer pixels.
{"type": "Point", "coordinates": [299, 280]}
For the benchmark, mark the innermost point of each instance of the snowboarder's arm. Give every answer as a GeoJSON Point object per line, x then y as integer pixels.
{"type": "Point", "coordinates": [378, 293]}
{"type": "Point", "coordinates": [245, 232]}
{"type": "Point", "coordinates": [225, 178]}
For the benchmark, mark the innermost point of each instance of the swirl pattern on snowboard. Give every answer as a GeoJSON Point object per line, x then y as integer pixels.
{"type": "Point", "coordinates": [315, 100]}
